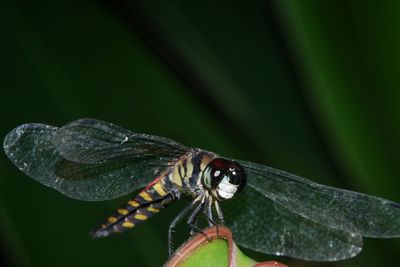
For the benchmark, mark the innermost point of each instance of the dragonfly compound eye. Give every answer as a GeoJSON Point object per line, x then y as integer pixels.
{"type": "Point", "coordinates": [224, 178]}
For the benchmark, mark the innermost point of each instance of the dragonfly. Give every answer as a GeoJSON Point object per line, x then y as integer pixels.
{"type": "Point", "coordinates": [268, 210]}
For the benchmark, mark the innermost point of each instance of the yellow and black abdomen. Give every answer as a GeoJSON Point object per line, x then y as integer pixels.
{"type": "Point", "coordinates": [146, 204]}
{"type": "Point", "coordinates": [182, 177]}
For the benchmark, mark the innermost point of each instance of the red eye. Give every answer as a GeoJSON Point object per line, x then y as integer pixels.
{"type": "Point", "coordinates": [220, 164]}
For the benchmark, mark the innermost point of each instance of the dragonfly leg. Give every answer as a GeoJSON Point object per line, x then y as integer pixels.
{"type": "Point", "coordinates": [209, 214]}
{"type": "Point", "coordinates": [195, 222]}
{"type": "Point", "coordinates": [175, 222]}
{"type": "Point", "coordinates": [194, 217]}
{"type": "Point", "coordinates": [219, 213]}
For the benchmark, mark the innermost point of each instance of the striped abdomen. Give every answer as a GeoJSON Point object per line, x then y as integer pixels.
{"type": "Point", "coordinates": [147, 203]}
{"type": "Point", "coordinates": [183, 177]}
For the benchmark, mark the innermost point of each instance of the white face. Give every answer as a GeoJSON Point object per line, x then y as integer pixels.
{"type": "Point", "coordinates": [225, 189]}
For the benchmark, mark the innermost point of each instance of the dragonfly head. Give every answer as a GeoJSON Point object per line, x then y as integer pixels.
{"type": "Point", "coordinates": [223, 178]}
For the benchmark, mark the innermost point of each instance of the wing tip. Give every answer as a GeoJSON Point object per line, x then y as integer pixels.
{"type": "Point", "coordinates": [20, 140]}
{"type": "Point", "coordinates": [99, 233]}
{"type": "Point", "coordinates": [13, 137]}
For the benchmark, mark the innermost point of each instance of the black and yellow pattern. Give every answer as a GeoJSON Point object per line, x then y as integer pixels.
{"type": "Point", "coordinates": [186, 173]}
{"type": "Point", "coordinates": [182, 177]}
{"type": "Point", "coordinates": [147, 203]}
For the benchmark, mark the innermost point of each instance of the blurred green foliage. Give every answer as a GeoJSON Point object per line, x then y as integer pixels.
{"type": "Point", "coordinates": [306, 86]}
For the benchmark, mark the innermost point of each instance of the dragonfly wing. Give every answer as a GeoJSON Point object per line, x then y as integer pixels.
{"type": "Point", "coordinates": [260, 224]}
{"type": "Point", "coordinates": [94, 141]}
{"type": "Point", "coordinates": [335, 208]}
{"type": "Point", "coordinates": [86, 160]}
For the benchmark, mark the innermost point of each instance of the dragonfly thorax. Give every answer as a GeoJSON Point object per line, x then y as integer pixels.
{"type": "Point", "coordinates": [223, 178]}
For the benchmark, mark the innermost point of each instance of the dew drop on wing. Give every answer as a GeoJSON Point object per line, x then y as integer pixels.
{"type": "Point", "coordinates": [126, 139]}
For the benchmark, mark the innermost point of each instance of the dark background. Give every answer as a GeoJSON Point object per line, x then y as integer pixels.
{"type": "Point", "coordinates": [311, 87]}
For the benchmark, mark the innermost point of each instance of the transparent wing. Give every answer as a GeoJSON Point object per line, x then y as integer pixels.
{"type": "Point", "coordinates": [262, 225]}
{"type": "Point", "coordinates": [89, 159]}
{"type": "Point", "coordinates": [332, 207]}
